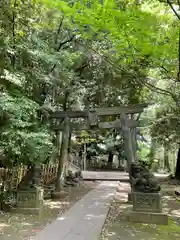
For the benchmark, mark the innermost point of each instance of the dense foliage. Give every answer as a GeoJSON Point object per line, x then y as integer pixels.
{"type": "Point", "coordinates": [74, 54]}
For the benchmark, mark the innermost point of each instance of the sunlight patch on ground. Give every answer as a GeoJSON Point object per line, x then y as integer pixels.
{"type": "Point", "coordinates": [111, 233]}
{"type": "Point", "coordinates": [167, 198]}
{"type": "Point", "coordinates": [61, 218]}
{"type": "Point", "coordinates": [22, 227]}
{"type": "Point", "coordinates": [26, 224]}
{"type": "Point", "coordinates": [89, 216]}
{"type": "Point", "coordinates": [176, 213]}
{"type": "Point", "coordinates": [53, 204]}
{"type": "Point", "coordinates": [3, 225]}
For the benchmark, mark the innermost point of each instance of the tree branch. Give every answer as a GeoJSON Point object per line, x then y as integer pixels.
{"type": "Point", "coordinates": [63, 43]}
{"type": "Point", "coordinates": [58, 31]}
{"type": "Point", "coordinates": [173, 9]}
{"type": "Point", "coordinates": [157, 89]}
{"type": "Point", "coordinates": [147, 84]}
{"type": "Point", "coordinates": [58, 49]}
{"type": "Point", "coordinates": [178, 3]}
{"type": "Point", "coordinates": [81, 69]}
{"type": "Point", "coordinates": [164, 69]}
{"type": "Point", "coordinates": [160, 91]}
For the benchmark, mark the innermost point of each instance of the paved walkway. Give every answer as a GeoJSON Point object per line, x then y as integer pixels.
{"type": "Point", "coordinates": [102, 176]}
{"type": "Point", "coordinates": [114, 176]}
{"type": "Point", "coordinates": [84, 221]}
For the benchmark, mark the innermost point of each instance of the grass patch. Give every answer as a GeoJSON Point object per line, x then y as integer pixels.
{"type": "Point", "coordinates": [171, 228]}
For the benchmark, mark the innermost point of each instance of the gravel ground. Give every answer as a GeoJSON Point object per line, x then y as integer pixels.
{"type": "Point", "coordinates": [24, 227]}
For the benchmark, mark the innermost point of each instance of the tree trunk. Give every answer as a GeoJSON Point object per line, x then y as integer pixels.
{"type": "Point", "coordinates": [58, 144]}
{"type": "Point", "coordinates": [152, 152]}
{"type": "Point", "coordinates": [69, 145]}
{"type": "Point", "coordinates": [134, 143]}
{"type": "Point", "coordinates": [166, 158]}
{"type": "Point", "coordinates": [84, 157]}
{"type": "Point", "coordinates": [128, 149]}
{"type": "Point", "coordinates": [63, 157]}
{"type": "Point", "coordinates": [177, 172]}
{"type": "Point", "coordinates": [110, 159]}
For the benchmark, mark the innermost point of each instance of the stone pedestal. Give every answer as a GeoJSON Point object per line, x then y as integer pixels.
{"type": "Point", "coordinates": [30, 201]}
{"type": "Point", "coordinates": [150, 218]}
{"type": "Point", "coordinates": [146, 202]}
{"type": "Point", "coordinates": [147, 208]}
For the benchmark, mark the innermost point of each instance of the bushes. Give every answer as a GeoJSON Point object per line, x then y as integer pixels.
{"type": "Point", "coordinates": [23, 138]}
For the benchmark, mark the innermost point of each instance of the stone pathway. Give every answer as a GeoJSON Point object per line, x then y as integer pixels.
{"type": "Point", "coordinates": [84, 221]}
{"type": "Point", "coordinates": [102, 176]}
{"type": "Point", "coordinates": [114, 176]}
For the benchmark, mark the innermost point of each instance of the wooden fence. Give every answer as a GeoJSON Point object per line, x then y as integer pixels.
{"type": "Point", "coordinates": [12, 177]}
{"type": "Point", "coordinates": [48, 173]}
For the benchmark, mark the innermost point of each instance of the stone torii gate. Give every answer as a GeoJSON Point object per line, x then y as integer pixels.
{"type": "Point", "coordinates": [62, 123]}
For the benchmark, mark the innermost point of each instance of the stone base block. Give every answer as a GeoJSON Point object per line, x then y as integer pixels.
{"type": "Point", "coordinates": [146, 202]}
{"type": "Point", "coordinates": [30, 201]}
{"type": "Point", "coordinates": [150, 218]}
